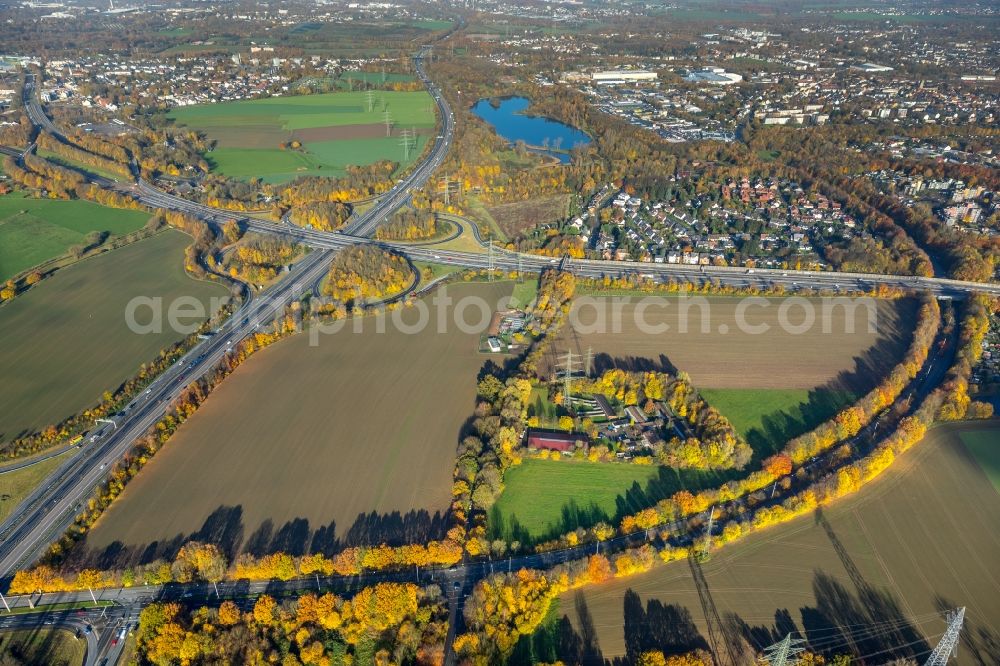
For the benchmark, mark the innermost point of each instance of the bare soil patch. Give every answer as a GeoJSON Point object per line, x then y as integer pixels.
{"type": "Point", "coordinates": [723, 356]}
{"type": "Point", "coordinates": [250, 136]}
{"type": "Point", "coordinates": [520, 216]}
{"type": "Point", "coordinates": [339, 132]}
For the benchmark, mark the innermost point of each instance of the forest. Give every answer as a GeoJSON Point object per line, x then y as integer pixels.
{"type": "Point", "coordinates": [363, 273]}
{"type": "Point", "coordinates": [389, 623]}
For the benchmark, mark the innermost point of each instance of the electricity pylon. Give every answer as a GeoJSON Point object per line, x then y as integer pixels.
{"type": "Point", "coordinates": [708, 538]}
{"type": "Point", "coordinates": [949, 642]}
{"type": "Point", "coordinates": [370, 96]}
{"type": "Point", "coordinates": [388, 122]}
{"type": "Point", "coordinates": [568, 375]}
{"type": "Point", "coordinates": [405, 142]}
{"type": "Point", "coordinates": [783, 652]}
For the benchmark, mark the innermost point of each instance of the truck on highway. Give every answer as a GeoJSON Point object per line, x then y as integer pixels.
{"type": "Point", "coordinates": [120, 636]}
{"type": "Point", "coordinates": [77, 439]}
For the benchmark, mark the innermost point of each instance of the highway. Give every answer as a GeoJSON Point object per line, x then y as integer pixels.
{"type": "Point", "coordinates": [360, 229]}
{"type": "Point", "coordinates": [51, 508]}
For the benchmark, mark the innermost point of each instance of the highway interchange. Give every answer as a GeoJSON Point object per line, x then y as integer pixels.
{"type": "Point", "coordinates": [46, 514]}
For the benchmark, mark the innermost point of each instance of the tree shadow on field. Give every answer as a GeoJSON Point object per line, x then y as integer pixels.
{"type": "Point", "coordinates": [604, 362]}
{"type": "Point", "coordinates": [669, 628]}
{"type": "Point", "coordinates": [225, 528]}
{"type": "Point", "coordinates": [866, 623]}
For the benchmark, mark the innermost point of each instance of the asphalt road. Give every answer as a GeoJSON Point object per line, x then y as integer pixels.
{"type": "Point", "coordinates": [47, 513]}
{"type": "Point", "coordinates": [98, 627]}
{"type": "Point", "coordinates": [51, 508]}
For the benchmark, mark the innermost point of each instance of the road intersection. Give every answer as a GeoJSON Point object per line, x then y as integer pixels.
{"type": "Point", "coordinates": [46, 514]}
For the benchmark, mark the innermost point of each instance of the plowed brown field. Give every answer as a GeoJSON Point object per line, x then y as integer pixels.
{"type": "Point", "coordinates": [349, 441]}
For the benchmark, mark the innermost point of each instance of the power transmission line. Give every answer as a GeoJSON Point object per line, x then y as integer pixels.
{"type": "Point", "coordinates": [445, 185]}
{"type": "Point", "coordinates": [783, 652]}
{"type": "Point", "coordinates": [708, 538]}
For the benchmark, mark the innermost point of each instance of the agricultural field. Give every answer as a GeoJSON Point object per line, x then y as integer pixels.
{"type": "Point", "coordinates": [335, 130]}
{"type": "Point", "coordinates": [353, 439]}
{"type": "Point", "coordinates": [351, 78]}
{"type": "Point", "coordinates": [918, 540]}
{"type": "Point", "coordinates": [724, 357]}
{"type": "Point", "coordinates": [16, 485]}
{"type": "Point", "coordinates": [35, 230]}
{"type": "Point", "coordinates": [768, 418]}
{"type": "Point", "coordinates": [66, 340]}
{"type": "Point", "coordinates": [52, 647]}
{"type": "Point", "coordinates": [545, 498]}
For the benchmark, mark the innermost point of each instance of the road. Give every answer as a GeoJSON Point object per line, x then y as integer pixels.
{"type": "Point", "coordinates": [360, 229]}
{"type": "Point", "coordinates": [51, 508]}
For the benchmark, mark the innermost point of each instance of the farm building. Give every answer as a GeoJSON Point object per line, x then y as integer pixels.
{"type": "Point", "coordinates": [636, 415]}
{"type": "Point", "coordinates": [553, 441]}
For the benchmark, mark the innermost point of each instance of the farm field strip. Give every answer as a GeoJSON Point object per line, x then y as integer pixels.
{"type": "Point", "coordinates": [769, 418]}
{"type": "Point", "coordinates": [352, 433]}
{"type": "Point", "coordinates": [335, 130]}
{"type": "Point", "coordinates": [548, 498]}
{"type": "Point", "coordinates": [724, 357]}
{"type": "Point", "coordinates": [15, 486]}
{"type": "Point", "coordinates": [36, 230]}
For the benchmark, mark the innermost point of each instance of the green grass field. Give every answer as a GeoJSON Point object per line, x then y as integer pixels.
{"type": "Point", "coordinates": [524, 293]}
{"type": "Point", "coordinates": [34, 230]}
{"type": "Point", "coordinates": [335, 129]}
{"type": "Point", "coordinates": [768, 418]}
{"type": "Point", "coordinates": [77, 166]}
{"type": "Point", "coordinates": [545, 498]}
{"type": "Point", "coordinates": [322, 158]}
{"type": "Point", "coordinates": [52, 647]}
{"type": "Point", "coordinates": [375, 77]}
{"type": "Point", "coordinates": [16, 486]}
{"type": "Point", "coordinates": [66, 340]}
{"type": "Point", "coordinates": [984, 445]}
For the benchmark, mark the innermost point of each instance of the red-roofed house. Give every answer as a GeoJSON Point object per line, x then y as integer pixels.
{"type": "Point", "coordinates": [553, 441]}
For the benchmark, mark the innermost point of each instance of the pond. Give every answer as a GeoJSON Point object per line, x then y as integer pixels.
{"type": "Point", "coordinates": [545, 135]}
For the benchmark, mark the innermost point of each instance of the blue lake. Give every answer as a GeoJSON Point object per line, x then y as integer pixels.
{"type": "Point", "coordinates": [512, 124]}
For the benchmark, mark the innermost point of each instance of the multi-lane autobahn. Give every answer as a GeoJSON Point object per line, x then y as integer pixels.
{"type": "Point", "coordinates": [51, 508]}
